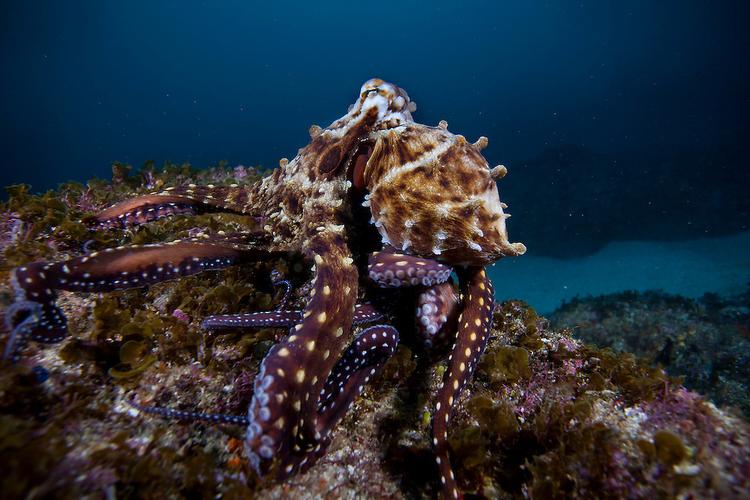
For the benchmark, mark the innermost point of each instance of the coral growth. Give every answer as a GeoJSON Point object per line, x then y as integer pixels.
{"type": "Point", "coordinates": [546, 415]}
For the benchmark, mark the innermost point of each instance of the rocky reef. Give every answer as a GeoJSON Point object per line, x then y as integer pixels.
{"type": "Point", "coordinates": [706, 342]}
{"type": "Point", "coordinates": [546, 416]}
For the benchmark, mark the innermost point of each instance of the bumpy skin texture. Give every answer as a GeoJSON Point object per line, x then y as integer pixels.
{"type": "Point", "coordinates": [434, 204]}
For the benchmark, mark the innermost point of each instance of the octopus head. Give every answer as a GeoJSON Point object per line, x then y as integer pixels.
{"type": "Point", "coordinates": [431, 193]}
{"type": "Point", "coordinates": [379, 106]}
{"type": "Point", "coordinates": [393, 103]}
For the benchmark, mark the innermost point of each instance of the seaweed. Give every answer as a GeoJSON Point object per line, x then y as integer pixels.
{"type": "Point", "coordinates": [546, 415]}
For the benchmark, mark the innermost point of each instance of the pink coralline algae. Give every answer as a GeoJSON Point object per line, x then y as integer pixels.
{"type": "Point", "coordinates": [181, 316]}
{"type": "Point", "coordinates": [241, 172]}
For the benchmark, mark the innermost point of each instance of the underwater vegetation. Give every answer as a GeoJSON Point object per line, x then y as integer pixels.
{"type": "Point", "coordinates": [545, 416]}
{"type": "Point", "coordinates": [706, 341]}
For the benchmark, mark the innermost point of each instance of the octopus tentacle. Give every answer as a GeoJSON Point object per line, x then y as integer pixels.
{"type": "Point", "coordinates": [264, 319]}
{"type": "Point", "coordinates": [20, 331]}
{"type": "Point", "coordinates": [437, 311]}
{"type": "Point", "coordinates": [361, 361]}
{"type": "Point", "coordinates": [281, 318]}
{"type": "Point", "coordinates": [115, 269]}
{"type": "Point", "coordinates": [283, 411]}
{"type": "Point", "coordinates": [437, 305]}
{"type": "Point", "coordinates": [46, 322]}
{"type": "Point", "coordinates": [187, 200]}
{"type": "Point", "coordinates": [232, 198]}
{"type": "Point", "coordinates": [471, 339]}
{"type": "Point", "coordinates": [287, 293]}
{"type": "Point", "coordinates": [394, 270]}
{"type": "Point", "coordinates": [144, 209]}
{"type": "Point", "coordinates": [214, 418]}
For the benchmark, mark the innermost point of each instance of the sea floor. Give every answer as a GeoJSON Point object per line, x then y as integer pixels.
{"type": "Point", "coordinates": [688, 268]}
{"type": "Point", "coordinates": [544, 416]}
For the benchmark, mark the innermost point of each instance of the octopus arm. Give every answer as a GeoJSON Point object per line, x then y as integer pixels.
{"type": "Point", "coordinates": [113, 269]}
{"type": "Point", "coordinates": [473, 330]}
{"type": "Point", "coordinates": [284, 409]}
{"type": "Point", "coordinates": [264, 319]}
{"type": "Point", "coordinates": [363, 313]}
{"type": "Point", "coordinates": [143, 209]}
{"type": "Point", "coordinates": [223, 198]}
{"type": "Point", "coordinates": [361, 361]}
{"type": "Point", "coordinates": [173, 201]}
{"type": "Point", "coordinates": [394, 270]}
{"type": "Point", "coordinates": [21, 319]}
{"type": "Point", "coordinates": [437, 311]}
{"type": "Point", "coordinates": [192, 416]}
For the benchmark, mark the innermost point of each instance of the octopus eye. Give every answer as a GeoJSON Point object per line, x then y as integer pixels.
{"type": "Point", "coordinates": [367, 92]}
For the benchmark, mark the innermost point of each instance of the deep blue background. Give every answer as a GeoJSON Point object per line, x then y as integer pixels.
{"type": "Point", "coordinates": [205, 81]}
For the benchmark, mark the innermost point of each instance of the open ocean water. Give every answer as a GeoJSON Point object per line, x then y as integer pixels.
{"type": "Point", "coordinates": [624, 127]}
{"type": "Point", "coordinates": [618, 122]}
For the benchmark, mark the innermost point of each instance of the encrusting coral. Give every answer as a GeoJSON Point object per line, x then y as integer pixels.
{"type": "Point", "coordinates": [545, 416]}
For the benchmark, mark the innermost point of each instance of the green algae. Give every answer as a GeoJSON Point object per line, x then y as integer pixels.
{"type": "Point", "coordinates": [496, 418]}
{"type": "Point", "coordinates": [668, 448]}
{"type": "Point", "coordinates": [134, 359]}
{"type": "Point", "coordinates": [637, 380]}
{"type": "Point", "coordinates": [505, 365]}
{"type": "Point", "coordinates": [527, 426]}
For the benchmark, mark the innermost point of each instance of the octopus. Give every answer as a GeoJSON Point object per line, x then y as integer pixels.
{"type": "Point", "coordinates": [375, 201]}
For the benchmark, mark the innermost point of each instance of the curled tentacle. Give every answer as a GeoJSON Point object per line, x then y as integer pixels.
{"type": "Point", "coordinates": [363, 313]}
{"type": "Point", "coordinates": [114, 269]}
{"type": "Point", "coordinates": [471, 339]}
{"type": "Point", "coordinates": [361, 361]}
{"type": "Point", "coordinates": [47, 323]}
{"type": "Point", "coordinates": [21, 331]}
{"type": "Point", "coordinates": [437, 311]}
{"type": "Point", "coordinates": [287, 293]}
{"type": "Point", "coordinates": [393, 270]}
{"type": "Point", "coordinates": [283, 411]}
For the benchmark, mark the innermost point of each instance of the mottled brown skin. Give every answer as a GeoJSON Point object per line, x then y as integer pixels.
{"type": "Point", "coordinates": [432, 198]}
{"type": "Point", "coordinates": [442, 203]}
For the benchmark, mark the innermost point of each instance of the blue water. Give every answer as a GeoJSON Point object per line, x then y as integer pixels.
{"type": "Point", "coordinates": [618, 121]}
